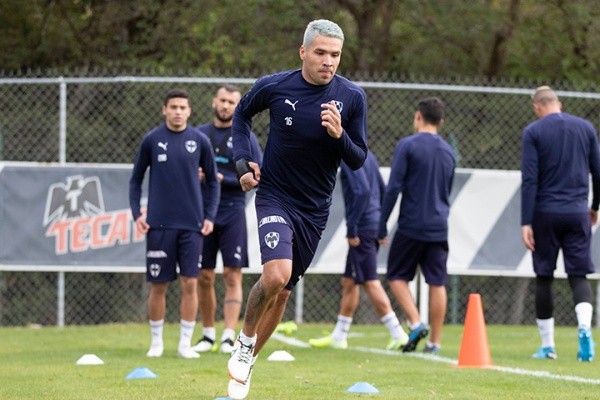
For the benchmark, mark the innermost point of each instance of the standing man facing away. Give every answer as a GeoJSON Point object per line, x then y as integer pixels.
{"type": "Point", "coordinates": [363, 191]}
{"type": "Point", "coordinates": [423, 171]}
{"type": "Point", "coordinates": [176, 217]}
{"type": "Point", "coordinates": [230, 234]}
{"type": "Point", "coordinates": [559, 152]}
{"type": "Point", "coordinates": [317, 119]}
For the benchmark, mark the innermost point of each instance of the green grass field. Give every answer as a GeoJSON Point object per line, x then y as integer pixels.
{"type": "Point", "coordinates": [41, 364]}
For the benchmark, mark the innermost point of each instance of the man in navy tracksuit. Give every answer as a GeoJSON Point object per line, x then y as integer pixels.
{"type": "Point", "coordinates": [230, 235]}
{"type": "Point", "coordinates": [559, 153]}
{"type": "Point", "coordinates": [317, 119]}
{"type": "Point", "coordinates": [176, 218]}
{"type": "Point", "coordinates": [363, 191]}
{"type": "Point", "coordinates": [423, 171]}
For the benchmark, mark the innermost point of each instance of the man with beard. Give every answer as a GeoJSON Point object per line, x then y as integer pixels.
{"type": "Point", "coordinates": [317, 119]}
{"type": "Point", "coordinates": [229, 234]}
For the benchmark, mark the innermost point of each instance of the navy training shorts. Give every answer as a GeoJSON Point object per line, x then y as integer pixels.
{"type": "Point", "coordinates": [570, 232]}
{"type": "Point", "coordinates": [361, 262]}
{"type": "Point", "coordinates": [230, 236]}
{"type": "Point", "coordinates": [167, 248]}
{"type": "Point", "coordinates": [286, 234]}
{"type": "Point", "coordinates": [407, 253]}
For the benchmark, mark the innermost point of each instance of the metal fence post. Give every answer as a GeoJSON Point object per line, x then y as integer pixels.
{"type": "Point", "coordinates": [1, 143]}
{"type": "Point", "coordinates": [62, 122]}
{"type": "Point", "coordinates": [454, 293]}
{"type": "Point", "coordinates": [423, 298]}
{"type": "Point", "coordinates": [60, 300]}
{"type": "Point", "coordinates": [299, 301]}
{"type": "Point", "coordinates": [62, 158]}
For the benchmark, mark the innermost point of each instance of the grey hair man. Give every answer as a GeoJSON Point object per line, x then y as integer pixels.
{"type": "Point", "coordinates": [317, 119]}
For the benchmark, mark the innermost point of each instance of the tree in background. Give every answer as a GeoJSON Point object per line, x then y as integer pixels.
{"type": "Point", "coordinates": [492, 38]}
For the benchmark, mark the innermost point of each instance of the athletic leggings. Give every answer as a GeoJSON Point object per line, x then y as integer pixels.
{"type": "Point", "coordinates": [544, 302]}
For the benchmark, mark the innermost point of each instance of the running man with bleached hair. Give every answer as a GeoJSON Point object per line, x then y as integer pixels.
{"type": "Point", "coordinates": [317, 119]}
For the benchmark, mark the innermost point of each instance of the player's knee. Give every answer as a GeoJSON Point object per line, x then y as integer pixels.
{"type": "Point", "coordinates": [273, 283]}
{"type": "Point", "coordinates": [206, 279]}
{"type": "Point", "coordinates": [232, 277]}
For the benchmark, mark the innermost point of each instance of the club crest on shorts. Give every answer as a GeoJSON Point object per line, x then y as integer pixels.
{"type": "Point", "coordinates": [272, 239]}
{"type": "Point", "coordinates": [154, 270]}
{"type": "Point", "coordinates": [191, 146]}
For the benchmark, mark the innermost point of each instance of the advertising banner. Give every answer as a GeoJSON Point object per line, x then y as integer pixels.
{"type": "Point", "coordinates": [76, 217]}
{"type": "Point", "coordinates": [67, 216]}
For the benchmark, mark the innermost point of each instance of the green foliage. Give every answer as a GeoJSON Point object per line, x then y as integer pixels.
{"type": "Point", "coordinates": [552, 40]}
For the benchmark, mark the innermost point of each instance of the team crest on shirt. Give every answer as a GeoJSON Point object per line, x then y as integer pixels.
{"type": "Point", "coordinates": [154, 270]}
{"type": "Point", "coordinates": [339, 105]}
{"type": "Point", "coordinates": [191, 146]}
{"type": "Point", "coordinates": [230, 143]}
{"type": "Point", "coordinates": [272, 239]}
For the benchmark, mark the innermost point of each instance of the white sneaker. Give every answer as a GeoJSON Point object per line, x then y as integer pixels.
{"type": "Point", "coordinates": [156, 350]}
{"type": "Point", "coordinates": [187, 352]}
{"type": "Point", "coordinates": [226, 346]}
{"type": "Point", "coordinates": [237, 390]}
{"type": "Point", "coordinates": [241, 361]}
{"type": "Point", "coordinates": [205, 344]}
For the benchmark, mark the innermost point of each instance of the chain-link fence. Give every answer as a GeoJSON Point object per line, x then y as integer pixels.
{"type": "Point", "coordinates": [96, 298]}
{"type": "Point", "coordinates": [101, 120]}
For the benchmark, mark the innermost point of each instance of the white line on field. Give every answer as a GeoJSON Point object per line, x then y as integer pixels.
{"type": "Point", "coordinates": [519, 371]}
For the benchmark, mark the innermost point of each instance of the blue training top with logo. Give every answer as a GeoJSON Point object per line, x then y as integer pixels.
{"type": "Point", "coordinates": [175, 195]}
{"type": "Point", "coordinates": [301, 160]}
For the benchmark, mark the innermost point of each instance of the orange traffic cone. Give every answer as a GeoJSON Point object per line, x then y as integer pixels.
{"type": "Point", "coordinates": [474, 348]}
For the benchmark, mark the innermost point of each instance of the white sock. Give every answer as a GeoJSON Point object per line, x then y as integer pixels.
{"type": "Point", "coordinates": [414, 325]}
{"type": "Point", "coordinates": [227, 334]}
{"type": "Point", "coordinates": [390, 320]}
{"type": "Point", "coordinates": [546, 328]}
{"type": "Point", "coordinates": [584, 315]}
{"type": "Point", "coordinates": [156, 332]}
{"type": "Point", "coordinates": [186, 331]}
{"type": "Point", "coordinates": [210, 332]}
{"type": "Point", "coordinates": [342, 327]}
{"type": "Point", "coordinates": [246, 340]}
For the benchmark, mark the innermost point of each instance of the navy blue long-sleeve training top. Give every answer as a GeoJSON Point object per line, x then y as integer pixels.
{"type": "Point", "coordinates": [174, 192]}
{"type": "Point", "coordinates": [423, 171]}
{"type": "Point", "coordinates": [560, 151]}
{"type": "Point", "coordinates": [363, 192]}
{"type": "Point", "coordinates": [222, 145]}
{"type": "Point", "coordinates": [300, 160]}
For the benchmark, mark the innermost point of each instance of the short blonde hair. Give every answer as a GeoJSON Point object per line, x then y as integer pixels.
{"type": "Point", "coordinates": [322, 27]}
{"type": "Point", "coordinates": [544, 95]}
